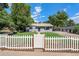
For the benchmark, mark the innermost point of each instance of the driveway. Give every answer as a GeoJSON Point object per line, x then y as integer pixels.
{"type": "Point", "coordinates": [66, 34]}
{"type": "Point", "coordinates": [36, 52]}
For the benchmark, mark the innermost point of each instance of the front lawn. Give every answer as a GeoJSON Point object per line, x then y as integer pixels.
{"type": "Point", "coordinates": [50, 34]}
{"type": "Point", "coordinates": [47, 34]}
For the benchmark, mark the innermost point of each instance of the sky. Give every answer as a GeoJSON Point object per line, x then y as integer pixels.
{"type": "Point", "coordinates": [41, 11]}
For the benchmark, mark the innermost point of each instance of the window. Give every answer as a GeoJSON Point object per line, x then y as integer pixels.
{"type": "Point", "coordinates": [33, 27]}
{"type": "Point", "coordinates": [30, 27]}
{"type": "Point", "coordinates": [46, 28]}
{"type": "Point", "coordinates": [36, 27]}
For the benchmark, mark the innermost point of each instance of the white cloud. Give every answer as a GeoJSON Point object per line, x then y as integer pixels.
{"type": "Point", "coordinates": [65, 9]}
{"type": "Point", "coordinates": [75, 18]}
{"type": "Point", "coordinates": [36, 13]}
{"type": "Point", "coordinates": [77, 14]}
{"type": "Point", "coordinates": [33, 16]}
{"type": "Point", "coordinates": [38, 9]}
{"type": "Point", "coordinates": [35, 20]}
{"type": "Point", "coordinates": [43, 16]}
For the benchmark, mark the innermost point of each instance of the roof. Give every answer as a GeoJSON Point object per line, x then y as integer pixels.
{"type": "Point", "coordinates": [5, 30]}
{"type": "Point", "coordinates": [42, 24]}
{"type": "Point", "coordinates": [68, 27]}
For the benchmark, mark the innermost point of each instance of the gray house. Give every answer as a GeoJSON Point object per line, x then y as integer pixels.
{"type": "Point", "coordinates": [69, 29]}
{"type": "Point", "coordinates": [40, 27]}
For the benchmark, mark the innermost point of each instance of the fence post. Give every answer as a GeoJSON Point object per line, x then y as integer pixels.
{"type": "Point", "coordinates": [33, 41]}
{"type": "Point", "coordinates": [77, 43]}
{"type": "Point", "coordinates": [0, 41]}
{"type": "Point", "coordinates": [6, 41]}
{"type": "Point", "coordinates": [44, 43]}
{"type": "Point", "coordinates": [52, 42]}
{"type": "Point", "coordinates": [71, 43]}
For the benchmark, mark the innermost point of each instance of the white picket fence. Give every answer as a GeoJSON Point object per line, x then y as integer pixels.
{"type": "Point", "coordinates": [16, 41]}
{"type": "Point", "coordinates": [47, 43]}
{"type": "Point", "coordinates": [61, 43]}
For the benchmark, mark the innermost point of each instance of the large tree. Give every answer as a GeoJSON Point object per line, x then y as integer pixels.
{"type": "Point", "coordinates": [70, 22]}
{"type": "Point", "coordinates": [6, 20]}
{"type": "Point", "coordinates": [3, 5]}
{"type": "Point", "coordinates": [21, 15]}
{"type": "Point", "coordinates": [59, 19]}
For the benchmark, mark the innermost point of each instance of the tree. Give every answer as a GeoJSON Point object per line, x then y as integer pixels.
{"type": "Point", "coordinates": [21, 16]}
{"type": "Point", "coordinates": [3, 5]}
{"type": "Point", "coordinates": [76, 29]}
{"type": "Point", "coordinates": [53, 20]}
{"type": "Point", "coordinates": [59, 19]}
{"type": "Point", "coordinates": [71, 23]}
{"type": "Point", "coordinates": [6, 20]}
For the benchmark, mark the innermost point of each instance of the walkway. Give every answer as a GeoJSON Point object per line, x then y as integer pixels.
{"type": "Point", "coordinates": [36, 52]}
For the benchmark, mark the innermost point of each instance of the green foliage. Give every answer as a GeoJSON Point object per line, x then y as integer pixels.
{"type": "Point", "coordinates": [76, 29]}
{"type": "Point", "coordinates": [77, 26]}
{"type": "Point", "coordinates": [59, 19]}
{"type": "Point", "coordinates": [3, 5]}
{"type": "Point", "coordinates": [70, 23]}
{"type": "Point", "coordinates": [5, 20]}
{"type": "Point", "coordinates": [21, 16]}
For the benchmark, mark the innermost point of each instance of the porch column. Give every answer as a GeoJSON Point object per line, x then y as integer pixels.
{"type": "Point", "coordinates": [68, 30]}
{"type": "Point", "coordinates": [71, 30]}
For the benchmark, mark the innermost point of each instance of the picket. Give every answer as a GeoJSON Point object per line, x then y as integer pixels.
{"type": "Point", "coordinates": [62, 43]}
{"type": "Point", "coordinates": [51, 43]}
{"type": "Point", "coordinates": [16, 41]}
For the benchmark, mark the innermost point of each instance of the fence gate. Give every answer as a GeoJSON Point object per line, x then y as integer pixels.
{"type": "Point", "coordinates": [38, 40]}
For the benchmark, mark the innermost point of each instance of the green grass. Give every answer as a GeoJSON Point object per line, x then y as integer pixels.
{"type": "Point", "coordinates": [26, 33]}
{"type": "Point", "coordinates": [47, 34]}
{"type": "Point", "coordinates": [50, 34]}
{"type": "Point", "coordinates": [77, 27]}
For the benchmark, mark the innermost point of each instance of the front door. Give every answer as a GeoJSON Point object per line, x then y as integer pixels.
{"type": "Point", "coordinates": [38, 40]}
{"type": "Point", "coordinates": [38, 29]}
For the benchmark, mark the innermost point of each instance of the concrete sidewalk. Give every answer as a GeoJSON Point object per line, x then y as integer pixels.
{"type": "Point", "coordinates": [36, 52]}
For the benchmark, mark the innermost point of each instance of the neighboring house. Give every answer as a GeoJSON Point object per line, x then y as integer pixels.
{"type": "Point", "coordinates": [65, 29]}
{"type": "Point", "coordinates": [40, 27]}
{"type": "Point", "coordinates": [5, 30]}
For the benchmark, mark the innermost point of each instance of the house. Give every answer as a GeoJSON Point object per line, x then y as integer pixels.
{"type": "Point", "coordinates": [40, 27]}
{"type": "Point", "coordinates": [5, 30]}
{"type": "Point", "coordinates": [69, 29]}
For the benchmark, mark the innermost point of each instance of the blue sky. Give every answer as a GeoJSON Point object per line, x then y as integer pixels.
{"type": "Point", "coordinates": [41, 11]}
{"type": "Point", "coordinates": [46, 9]}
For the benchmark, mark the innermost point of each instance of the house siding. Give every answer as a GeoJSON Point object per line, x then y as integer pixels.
{"type": "Point", "coordinates": [41, 30]}
{"type": "Point", "coordinates": [41, 27]}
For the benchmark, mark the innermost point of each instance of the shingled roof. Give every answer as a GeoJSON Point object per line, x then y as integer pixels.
{"type": "Point", "coordinates": [41, 24]}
